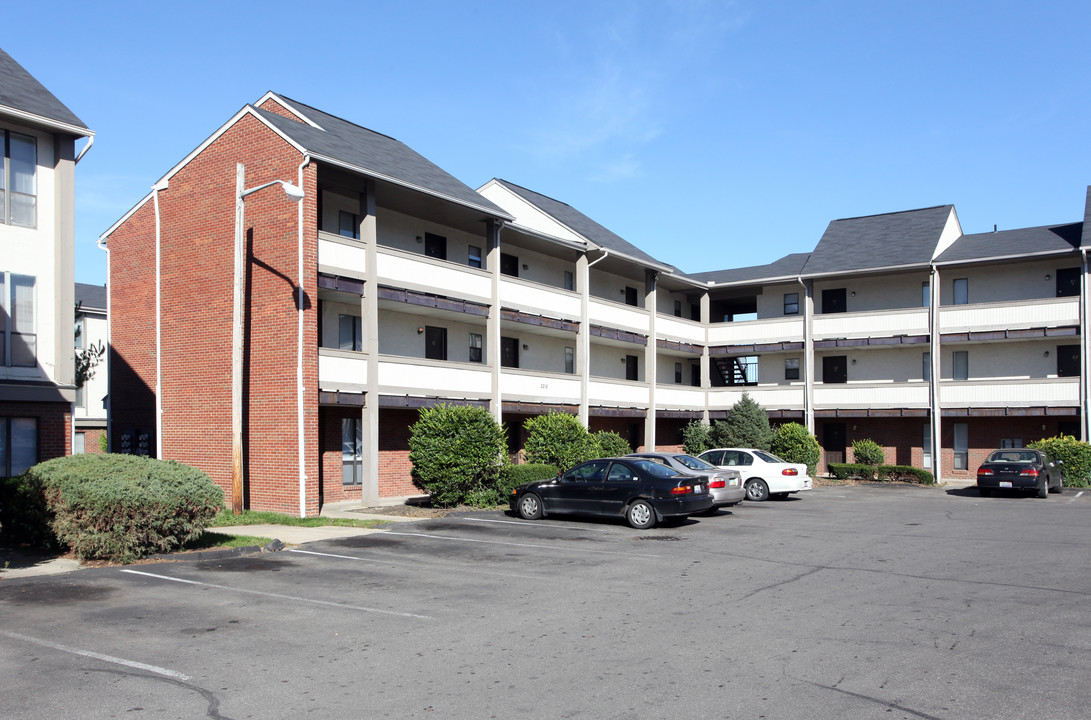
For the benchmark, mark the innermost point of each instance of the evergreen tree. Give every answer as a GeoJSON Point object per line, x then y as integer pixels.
{"type": "Point", "coordinates": [747, 426]}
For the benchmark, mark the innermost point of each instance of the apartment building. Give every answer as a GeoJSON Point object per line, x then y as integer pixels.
{"type": "Point", "coordinates": [89, 430]}
{"type": "Point", "coordinates": [393, 287]}
{"type": "Point", "coordinates": [37, 198]}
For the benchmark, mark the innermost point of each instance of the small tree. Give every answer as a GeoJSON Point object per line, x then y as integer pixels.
{"type": "Point", "coordinates": [792, 442]}
{"type": "Point", "coordinates": [88, 358]}
{"type": "Point", "coordinates": [457, 452]}
{"type": "Point", "coordinates": [747, 426]}
{"type": "Point", "coordinates": [696, 437]}
{"type": "Point", "coordinates": [610, 444]}
{"type": "Point", "coordinates": [867, 452]}
{"type": "Point", "coordinates": [558, 439]}
{"type": "Point", "coordinates": [1075, 457]}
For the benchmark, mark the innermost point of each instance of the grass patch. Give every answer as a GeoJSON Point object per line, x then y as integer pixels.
{"type": "Point", "coordinates": [215, 540]}
{"type": "Point", "coordinates": [261, 517]}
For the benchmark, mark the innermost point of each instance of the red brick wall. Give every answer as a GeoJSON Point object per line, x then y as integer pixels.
{"type": "Point", "coordinates": [54, 426]}
{"type": "Point", "coordinates": [330, 463]}
{"type": "Point", "coordinates": [92, 438]}
{"type": "Point", "coordinates": [622, 426]}
{"type": "Point", "coordinates": [395, 470]}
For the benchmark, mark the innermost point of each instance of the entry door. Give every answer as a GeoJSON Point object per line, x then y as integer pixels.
{"type": "Point", "coordinates": [833, 301]}
{"type": "Point", "coordinates": [833, 442]}
{"type": "Point", "coordinates": [435, 246]}
{"type": "Point", "coordinates": [509, 352]}
{"type": "Point", "coordinates": [631, 371]}
{"type": "Point", "coordinates": [835, 369]}
{"type": "Point", "coordinates": [435, 343]}
{"type": "Point", "coordinates": [509, 265]}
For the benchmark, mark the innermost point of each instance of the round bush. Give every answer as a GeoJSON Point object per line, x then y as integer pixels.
{"type": "Point", "coordinates": [610, 444]}
{"type": "Point", "coordinates": [696, 437]}
{"type": "Point", "coordinates": [793, 443]}
{"type": "Point", "coordinates": [867, 452]}
{"type": "Point", "coordinates": [558, 439]}
{"type": "Point", "coordinates": [457, 452]}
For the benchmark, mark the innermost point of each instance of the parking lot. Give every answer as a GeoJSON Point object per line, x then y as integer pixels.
{"type": "Point", "coordinates": [856, 602]}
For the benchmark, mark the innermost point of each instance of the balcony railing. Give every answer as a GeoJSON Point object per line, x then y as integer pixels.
{"type": "Point", "coordinates": [751, 332]}
{"type": "Point", "coordinates": [618, 315]}
{"type": "Point", "coordinates": [417, 376]}
{"type": "Point", "coordinates": [341, 256]}
{"type": "Point", "coordinates": [874, 323]}
{"type": "Point", "coordinates": [539, 298]}
{"type": "Point", "coordinates": [417, 272]}
{"type": "Point", "coordinates": [674, 328]}
{"type": "Point", "coordinates": [871, 395]}
{"type": "Point", "coordinates": [1049, 392]}
{"type": "Point", "coordinates": [342, 370]}
{"type": "Point", "coordinates": [673, 397]}
{"type": "Point", "coordinates": [771, 397]}
{"type": "Point", "coordinates": [1050, 312]}
{"type": "Point", "coordinates": [539, 387]}
{"type": "Point", "coordinates": [622, 393]}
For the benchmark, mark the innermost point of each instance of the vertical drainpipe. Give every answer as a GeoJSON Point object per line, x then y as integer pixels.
{"type": "Point", "coordinates": [935, 411]}
{"type": "Point", "coordinates": [808, 354]}
{"type": "Point", "coordinates": [1085, 345]}
{"type": "Point", "coordinates": [109, 346]}
{"type": "Point", "coordinates": [300, 422]}
{"type": "Point", "coordinates": [158, 330]}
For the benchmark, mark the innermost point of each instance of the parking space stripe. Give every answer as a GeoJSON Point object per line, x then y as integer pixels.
{"type": "Point", "coordinates": [512, 544]}
{"type": "Point", "coordinates": [281, 597]}
{"type": "Point", "coordinates": [1077, 497]}
{"type": "Point", "coordinates": [548, 526]}
{"type": "Point", "coordinates": [414, 561]}
{"type": "Point", "coordinates": [98, 656]}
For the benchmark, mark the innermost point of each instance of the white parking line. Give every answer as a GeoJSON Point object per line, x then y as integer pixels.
{"type": "Point", "coordinates": [280, 597]}
{"type": "Point", "coordinates": [1077, 497]}
{"type": "Point", "coordinates": [534, 524]}
{"type": "Point", "coordinates": [511, 544]}
{"type": "Point", "coordinates": [388, 563]}
{"type": "Point", "coordinates": [98, 656]}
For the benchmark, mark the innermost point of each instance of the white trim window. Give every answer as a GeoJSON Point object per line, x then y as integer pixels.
{"type": "Point", "coordinates": [18, 336]}
{"type": "Point", "coordinates": [18, 445]}
{"type": "Point", "coordinates": [19, 180]}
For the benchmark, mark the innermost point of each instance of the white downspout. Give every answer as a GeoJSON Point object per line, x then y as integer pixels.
{"type": "Point", "coordinates": [1085, 345]}
{"type": "Point", "coordinates": [605, 252]}
{"type": "Point", "coordinates": [109, 346]}
{"type": "Point", "coordinates": [158, 332]}
{"type": "Point", "coordinates": [300, 421]}
{"type": "Point", "coordinates": [90, 142]}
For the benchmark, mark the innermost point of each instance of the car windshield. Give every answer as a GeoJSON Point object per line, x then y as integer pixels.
{"type": "Point", "coordinates": [653, 468]}
{"type": "Point", "coordinates": [694, 463]}
{"type": "Point", "coordinates": [767, 457]}
{"type": "Point", "coordinates": [1013, 456]}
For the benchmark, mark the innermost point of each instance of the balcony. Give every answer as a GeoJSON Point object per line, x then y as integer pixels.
{"type": "Point", "coordinates": [757, 332]}
{"type": "Point", "coordinates": [438, 378]}
{"type": "Point", "coordinates": [674, 328]}
{"type": "Point", "coordinates": [618, 315]}
{"type": "Point", "coordinates": [871, 395]}
{"type": "Point", "coordinates": [341, 256]}
{"type": "Point", "coordinates": [539, 298]}
{"type": "Point", "coordinates": [342, 370]}
{"type": "Point", "coordinates": [676, 397]}
{"type": "Point", "coordinates": [417, 272]}
{"type": "Point", "coordinates": [771, 397]}
{"type": "Point", "coordinates": [619, 393]}
{"type": "Point", "coordinates": [1048, 392]}
{"type": "Point", "coordinates": [1021, 315]}
{"type": "Point", "coordinates": [874, 323]}
{"type": "Point", "coordinates": [536, 386]}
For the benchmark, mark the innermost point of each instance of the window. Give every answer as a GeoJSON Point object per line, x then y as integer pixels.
{"type": "Point", "coordinates": [1068, 361]}
{"type": "Point", "coordinates": [926, 445]}
{"type": "Point", "coordinates": [18, 341]}
{"type": "Point", "coordinates": [352, 444]}
{"type": "Point", "coordinates": [1011, 443]}
{"type": "Point", "coordinates": [791, 303]}
{"type": "Point", "coordinates": [435, 343]}
{"type": "Point", "coordinates": [695, 375]}
{"type": "Point", "coordinates": [569, 280]}
{"type": "Point", "coordinates": [961, 445]}
{"type": "Point", "coordinates": [1068, 282]}
{"type": "Point", "coordinates": [348, 224]}
{"type": "Point", "coordinates": [350, 332]}
{"type": "Point", "coordinates": [18, 445]}
{"type": "Point", "coordinates": [791, 368]}
{"type": "Point", "coordinates": [81, 397]}
{"type": "Point", "coordinates": [961, 365]}
{"type": "Point", "coordinates": [926, 294]}
{"type": "Point", "coordinates": [835, 369]}
{"type": "Point", "coordinates": [570, 360]}
{"type": "Point", "coordinates": [962, 291]}
{"type": "Point", "coordinates": [631, 368]}
{"type": "Point", "coordinates": [678, 308]}
{"type": "Point", "coordinates": [79, 443]}
{"type": "Point", "coordinates": [435, 246]}
{"type": "Point", "coordinates": [474, 256]}
{"type": "Point", "coordinates": [678, 373]}
{"type": "Point", "coordinates": [926, 367]}
{"type": "Point", "coordinates": [475, 347]}
{"type": "Point", "coordinates": [630, 296]}
{"type": "Point", "coordinates": [695, 312]}
{"type": "Point", "coordinates": [833, 301]}
{"type": "Point", "coordinates": [509, 265]}
{"type": "Point", "coordinates": [18, 180]}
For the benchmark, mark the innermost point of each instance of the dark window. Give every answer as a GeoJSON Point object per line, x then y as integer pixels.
{"type": "Point", "coordinates": [352, 443]}
{"type": "Point", "coordinates": [509, 265]}
{"type": "Point", "coordinates": [1068, 282]}
{"type": "Point", "coordinates": [435, 246]}
{"type": "Point", "coordinates": [791, 303]}
{"type": "Point", "coordinates": [925, 294]}
{"type": "Point", "coordinates": [630, 296]}
{"type": "Point", "coordinates": [473, 256]}
{"type": "Point", "coordinates": [475, 347]}
{"type": "Point", "coordinates": [791, 368]}
{"type": "Point", "coordinates": [509, 352]}
{"type": "Point", "coordinates": [348, 224]}
{"type": "Point", "coordinates": [695, 375]}
{"type": "Point", "coordinates": [835, 369]}
{"type": "Point", "coordinates": [695, 312]}
{"type": "Point", "coordinates": [833, 301]}
{"type": "Point", "coordinates": [678, 308]}
{"type": "Point", "coordinates": [570, 360]}
{"type": "Point", "coordinates": [18, 445]}
{"type": "Point", "coordinates": [630, 367]}
{"type": "Point", "coordinates": [18, 336]}
{"type": "Point", "coordinates": [569, 280]}
{"type": "Point", "coordinates": [960, 363]}
{"type": "Point", "coordinates": [435, 343]}
{"type": "Point", "coordinates": [349, 332]}
{"type": "Point", "coordinates": [678, 373]}
{"type": "Point", "coordinates": [961, 287]}
{"type": "Point", "coordinates": [18, 179]}
{"type": "Point", "coordinates": [1068, 361]}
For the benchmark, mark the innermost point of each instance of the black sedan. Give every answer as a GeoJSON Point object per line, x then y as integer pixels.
{"type": "Point", "coordinates": [1019, 469]}
{"type": "Point", "coordinates": [642, 491]}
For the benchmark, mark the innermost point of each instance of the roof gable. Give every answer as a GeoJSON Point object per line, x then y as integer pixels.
{"type": "Point", "coordinates": [1021, 242]}
{"type": "Point", "coordinates": [21, 92]}
{"type": "Point", "coordinates": [880, 241]}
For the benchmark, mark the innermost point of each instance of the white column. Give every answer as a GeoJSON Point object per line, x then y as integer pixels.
{"type": "Point", "coordinates": [370, 320]}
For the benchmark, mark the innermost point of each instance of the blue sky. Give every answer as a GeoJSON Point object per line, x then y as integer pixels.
{"type": "Point", "coordinates": [711, 134]}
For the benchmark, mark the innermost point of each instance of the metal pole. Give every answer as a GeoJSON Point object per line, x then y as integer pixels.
{"type": "Point", "coordinates": [236, 345]}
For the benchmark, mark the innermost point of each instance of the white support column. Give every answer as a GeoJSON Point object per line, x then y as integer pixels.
{"type": "Point", "coordinates": [370, 321]}
{"type": "Point", "coordinates": [492, 342]}
{"type": "Point", "coordinates": [808, 355]}
{"type": "Point", "coordinates": [706, 357]}
{"type": "Point", "coordinates": [1085, 347]}
{"type": "Point", "coordinates": [583, 338]}
{"type": "Point", "coordinates": [651, 281]}
{"type": "Point", "coordinates": [935, 409]}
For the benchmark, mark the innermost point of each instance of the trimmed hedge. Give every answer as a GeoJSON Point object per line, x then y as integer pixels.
{"type": "Point", "coordinates": [867, 452]}
{"type": "Point", "coordinates": [558, 439]}
{"type": "Point", "coordinates": [1074, 454]}
{"type": "Point", "coordinates": [117, 507]}
{"type": "Point", "coordinates": [514, 475]}
{"type": "Point", "coordinates": [609, 444]}
{"type": "Point", "coordinates": [457, 451]}
{"type": "Point", "coordinates": [885, 473]}
{"type": "Point", "coordinates": [793, 443]}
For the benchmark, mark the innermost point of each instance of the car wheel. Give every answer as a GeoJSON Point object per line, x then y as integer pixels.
{"type": "Point", "coordinates": [984, 492]}
{"type": "Point", "coordinates": [756, 490]}
{"type": "Point", "coordinates": [641, 515]}
{"type": "Point", "coordinates": [1060, 485]}
{"type": "Point", "coordinates": [1043, 492]}
{"type": "Point", "coordinates": [530, 507]}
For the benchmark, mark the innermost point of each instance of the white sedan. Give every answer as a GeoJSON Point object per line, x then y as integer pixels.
{"type": "Point", "coordinates": [765, 474]}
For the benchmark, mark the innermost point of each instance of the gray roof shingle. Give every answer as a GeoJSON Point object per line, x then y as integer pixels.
{"type": "Point", "coordinates": [19, 90]}
{"type": "Point", "coordinates": [879, 241]}
{"type": "Point", "coordinates": [789, 266]}
{"type": "Point", "coordinates": [374, 153]}
{"type": "Point", "coordinates": [1086, 241]}
{"type": "Point", "coordinates": [1014, 243]}
{"type": "Point", "coordinates": [580, 223]}
{"type": "Point", "coordinates": [91, 297]}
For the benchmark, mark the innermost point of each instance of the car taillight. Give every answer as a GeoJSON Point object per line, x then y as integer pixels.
{"type": "Point", "coordinates": [1029, 472]}
{"type": "Point", "coordinates": [984, 471]}
{"type": "Point", "coordinates": [717, 484]}
{"type": "Point", "coordinates": [789, 471]}
{"type": "Point", "coordinates": [682, 490]}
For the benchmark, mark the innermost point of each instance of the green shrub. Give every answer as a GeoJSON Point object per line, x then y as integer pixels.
{"type": "Point", "coordinates": [558, 439]}
{"type": "Point", "coordinates": [793, 443]}
{"type": "Point", "coordinates": [906, 473]}
{"type": "Point", "coordinates": [123, 507]}
{"type": "Point", "coordinates": [610, 444]}
{"type": "Point", "coordinates": [515, 475]}
{"type": "Point", "coordinates": [851, 471]}
{"type": "Point", "coordinates": [746, 427]}
{"type": "Point", "coordinates": [1074, 454]}
{"type": "Point", "coordinates": [24, 517]}
{"type": "Point", "coordinates": [867, 452]}
{"type": "Point", "coordinates": [696, 437]}
{"type": "Point", "coordinates": [457, 451]}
